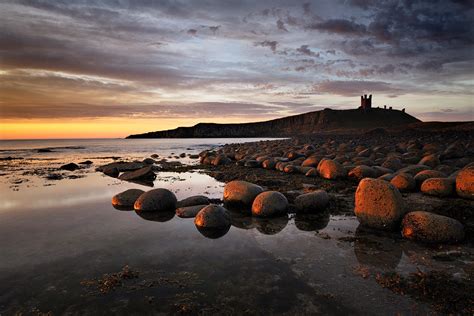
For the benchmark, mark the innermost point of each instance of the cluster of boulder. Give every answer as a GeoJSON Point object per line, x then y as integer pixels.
{"type": "Point", "coordinates": [379, 205]}
{"type": "Point", "coordinates": [214, 220]}
{"type": "Point", "coordinates": [432, 168]}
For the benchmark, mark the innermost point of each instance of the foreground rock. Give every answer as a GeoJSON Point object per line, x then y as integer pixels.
{"type": "Point", "coordinates": [465, 183]}
{"type": "Point", "coordinates": [193, 200]}
{"type": "Point", "coordinates": [313, 202]}
{"type": "Point", "coordinates": [189, 211]}
{"type": "Point", "coordinates": [126, 199]}
{"type": "Point", "coordinates": [241, 193]}
{"type": "Point", "coordinates": [157, 200]}
{"type": "Point", "coordinates": [213, 217]}
{"type": "Point", "coordinates": [431, 228]}
{"type": "Point", "coordinates": [70, 167]}
{"type": "Point", "coordinates": [269, 204]}
{"type": "Point", "coordinates": [378, 204]}
{"type": "Point", "coordinates": [143, 174]}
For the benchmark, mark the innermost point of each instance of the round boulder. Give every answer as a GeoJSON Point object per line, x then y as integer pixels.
{"type": "Point", "coordinates": [313, 202]}
{"type": "Point", "coordinates": [268, 204]}
{"type": "Point", "coordinates": [431, 228]}
{"type": "Point", "coordinates": [404, 182]}
{"type": "Point", "coordinates": [213, 216]}
{"type": "Point", "coordinates": [241, 193]}
{"type": "Point", "coordinates": [438, 186]}
{"type": "Point", "coordinates": [126, 199]}
{"type": "Point", "coordinates": [156, 200]}
{"type": "Point", "coordinates": [311, 162]}
{"type": "Point", "coordinates": [378, 204]}
{"type": "Point", "coordinates": [430, 161]}
{"type": "Point", "coordinates": [465, 183]}
{"type": "Point", "coordinates": [330, 169]}
{"type": "Point", "coordinates": [421, 176]}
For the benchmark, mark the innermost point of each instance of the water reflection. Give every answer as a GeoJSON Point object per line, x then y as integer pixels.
{"type": "Point", "coordinates": [122, 208]}
{"type": "Point", "coordinates": [271, 226]}
{"type": "Point", "coordinates": [378, 251]}
{"type": "Point", "coordinates": [156, 216]}
{"type": "Point", "coordinates": [311, 222]}
{"type": "Point", "coordinates": [213, 233]}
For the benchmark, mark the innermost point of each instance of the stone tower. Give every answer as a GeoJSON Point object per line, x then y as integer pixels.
{"type": "Point", "coordinates": [365, 102]}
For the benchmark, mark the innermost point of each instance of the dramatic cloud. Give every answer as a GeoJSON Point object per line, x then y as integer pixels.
{"type": "Point", "coordinates": [235, 58]}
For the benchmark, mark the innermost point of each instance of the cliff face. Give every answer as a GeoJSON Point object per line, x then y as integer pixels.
{"type": "Point", "coordinates": [308, 123]}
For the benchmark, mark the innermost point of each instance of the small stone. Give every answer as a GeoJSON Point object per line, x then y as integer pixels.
{"type": "Point", "coordinates": [145, 173]}
{"type": "Point", "coordinates": [156, 200]}
{"type": "Point", "coordinates": [70, 167]}
{"type": "Point", "coordinates": [311, 162]}
{"type": "Point", "coordinates": [404, 182]}
{"type": "Point", "coordinates": [360, 172]}
{"type": "Point", "coordinates": [438, 186]}
{"type": "Point", "coordinates": [313, 202]}
{"type": "Point", "coordinates": [111, 172]}
{"type": "Point", "coordinates": [126, 198]}
{"type": "Point", "coordinates": [430, 161]}
{"type": "Point", "coordinates": [421, 176]}
{"type": "Point", "coordinates": [87, 162]}
{"type": "Point", "coordinates": [269, 204]}
{"type": "Point", "coordinates": [313, 172]}
{"type": "Point", "coordinates": [148, 161]}
{"type": "Point", "coordinates": [431, 228]}
{"type": "Point", "coordinates": [378, 204]}
{"type": "Point", "coordinates": [189, 211]}
{"type": "Point", "coordinates": [194, 200]}
{"type": "Point", "coordinates": [331, 169]}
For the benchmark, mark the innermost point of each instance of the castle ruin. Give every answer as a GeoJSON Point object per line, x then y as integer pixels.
{"type": "Point", "coordinates": [365, 102]}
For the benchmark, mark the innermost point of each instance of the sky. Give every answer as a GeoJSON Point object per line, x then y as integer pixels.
{"type": "Point", "coordinates": [113, 68]}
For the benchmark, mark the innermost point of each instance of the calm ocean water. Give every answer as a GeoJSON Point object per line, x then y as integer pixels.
{"type": "Point", "coordinates": [86, 148]}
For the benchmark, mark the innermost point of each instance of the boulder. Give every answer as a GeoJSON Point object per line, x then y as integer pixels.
{"type": "Point", "coordinates": [189, 211]}
{"type": "Point", "coordinates": [122, 166]}
{"type": "Point", "coordinates": [378, 204]}
{"type": "Point", "coordinates": [430, 161]}
{"type": "Point", "coordinates": [311, 162]}
{"type": "Point", "coordinates": [145, 173]}
{"type": "Point", "coordinates": [360, 172]}
{"type": "Point", "coordinates": [241, 193]}
{"type": "Point", "coordinates": [111, 172]}
{"type": "Point", "coordinates": [213, 216]}
{"type": "Point", "coordinates": [156, 200]}
{"type": "Point", "coordinates": [269, 204]}
{"type": "Point", "coordinates": [438, 186]}
{"type": "Point", "coordinates": [313, 202]}
{"type": "Point", "coordinates": [421, 176]}
{"type": "Point", "coordinates": [193, 200]}
{"type": "Point", "coordinates": [465, 183]}
{"type": "Point", "coordinates": [86, 162]}
{"type": "Point", "coordinates": [70, 167]}
{"type": "Point", "coordinates": [148, 161]}
{"type": "Point", "coordinates": [404, 182]}
{"type": "Point", "coordinates": [126, 199]}
{"type": "Point", "coordinates": [431, 228]}
{"type": "Point", "coordinates": [413, 169]}
{"type": "Point", "coordinates": [330, 169]}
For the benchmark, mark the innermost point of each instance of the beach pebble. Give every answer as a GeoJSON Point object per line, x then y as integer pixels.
{"type": "Point", "coordinates": [70, 167]}
{"type": "Point", "coordinates": [330, 169]}
{"type": "Point", "coordinates": [111, 172]}
{"type": "Point", "coordinates": [378, 204]}
{"type": "Point", "coordinates": [213, 216]}
{"type": "Point", "coordinates": [86, 162]}
{"type": "Point", "coordinates": [269, 164]}
{"type": "Point", "coordinates": [430, 161]}
{"type": "Point", "coordinates": [313, 172]}
{"type": "Point", "coordinates": [431, 228]}
{"type": "Point", "coordinates": [404, 182]}
{"type": "Point", "coordinates": [126, 198]}
{"type": "Point", "coordinates": [193, 200]}
{"type": "Point", "coordinates": [392, 163]}
{"type": "Point", "coordinates": [148, 161]}
{"type": "Point", "coordinates": [438, 186]}
{"type": "Point", "coordinates": [311, 162]}
{"type": "Point", "coordinates": [158, 200]}
{"type": "Point", "coordinates": [421, 176]}
{"type": "Point", "coordinates": [360, 172]}
{"type": "Point", "coordinates": [145, 173]}
{"type": "Point", "coordinates": [241, 193]}
{"type": "Point", "coordinates": [189, 211]}
{"type": "Point", "coordinates": [268, 204]}
{"type": "Point", "coordinates": [465, 183]}
{"type": "Point", "coordinates": [413, 169]}
{"type": "Point", "coordinates": [313, 202]}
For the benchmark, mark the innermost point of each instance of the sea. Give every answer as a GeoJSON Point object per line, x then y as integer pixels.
{"type": "Point", "coordinates": [65, 250]}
